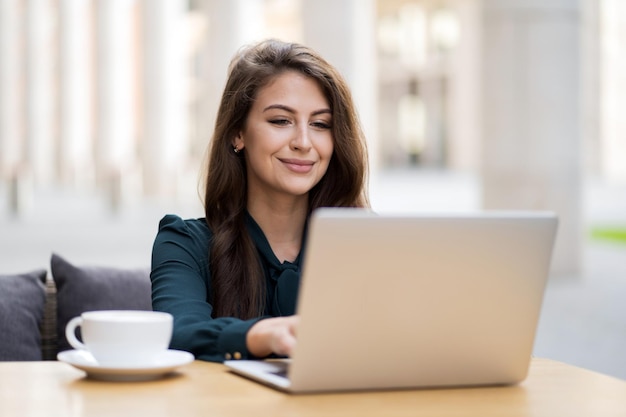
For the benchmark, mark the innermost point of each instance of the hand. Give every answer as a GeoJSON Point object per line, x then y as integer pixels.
{"type": "Point", "coordinates": [275, 335]}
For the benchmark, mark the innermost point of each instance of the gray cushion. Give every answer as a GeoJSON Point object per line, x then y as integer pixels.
{"type": "Point", "coordinates": [22, 300]}
{"type": "Point", "coordinates": [89, 288]}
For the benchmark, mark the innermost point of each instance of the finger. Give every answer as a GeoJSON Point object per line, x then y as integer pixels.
{"type": "Point", "coordinates": [293, 324]}
{"type": "Point", "coordinates": [288, 344]}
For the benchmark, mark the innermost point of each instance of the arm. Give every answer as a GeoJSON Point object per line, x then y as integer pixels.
{"type": "Point", "coordinates": [181, 284]}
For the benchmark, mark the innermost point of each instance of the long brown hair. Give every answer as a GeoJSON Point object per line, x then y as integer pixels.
{"type": "Point", "coordinates": [237, 281]}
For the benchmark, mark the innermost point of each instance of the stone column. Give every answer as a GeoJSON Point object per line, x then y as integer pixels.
{"type": "Point", "coordinates": [10, 64]}
{"type": "Point", "coordinates": [18, 180]}
{"type": "Point", "coordinates": [229, 26]}
{"type": "Point", "coordinates": [613, 104]}
{"type": "Point", "coordinates": [165, 111]}
{"type": "Point", "coordinates": [115, 141]}
{"type": "Point", "coordinates": [531, 157]}
{"type": "Point", "coordinates": [591, 64]}
{"type": "Point", "coordinates": [344, 33]}
{"type": "Point", "coordinates": [39, 137]}
{"type": "Point", "coordinates": [464, 89]}
{"type": "Point", "coordinates": [232, 24]}
{"type": "Point", "coordinates": [74, 150]}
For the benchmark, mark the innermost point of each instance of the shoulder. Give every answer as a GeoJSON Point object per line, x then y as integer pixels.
{"type": "Point", "coordinates": [172, 223]}
{"type": "Point", "coordinates": [187, 232]}
{"type": "Point", "coordinates": [184, 240]}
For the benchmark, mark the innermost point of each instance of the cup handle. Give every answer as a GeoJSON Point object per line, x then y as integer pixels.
{"type": "Point", "coordinates": [70, 333]}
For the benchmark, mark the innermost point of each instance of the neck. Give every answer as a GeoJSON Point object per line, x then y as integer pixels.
{"type": "Point", "coordinates": [282, 223]}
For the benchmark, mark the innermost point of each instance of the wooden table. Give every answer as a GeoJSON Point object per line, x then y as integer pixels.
{"type": "Point", "coordinates": [32, 389]}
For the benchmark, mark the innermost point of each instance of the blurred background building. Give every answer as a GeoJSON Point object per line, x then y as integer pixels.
{"type": "Point", "coordinates": [119, 96]}
{"type": "Point", "coordinates": [107, 106]}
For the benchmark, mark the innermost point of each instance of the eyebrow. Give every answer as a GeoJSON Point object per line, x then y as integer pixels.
{"type": "Point", "coordinates": [290, 110]}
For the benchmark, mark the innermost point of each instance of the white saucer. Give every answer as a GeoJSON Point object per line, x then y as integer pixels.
{"type": "Point", "coordinates": [165, 363]}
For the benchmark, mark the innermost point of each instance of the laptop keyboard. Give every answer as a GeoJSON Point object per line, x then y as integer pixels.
{"type": "Point", "coordinates": [282, 371]}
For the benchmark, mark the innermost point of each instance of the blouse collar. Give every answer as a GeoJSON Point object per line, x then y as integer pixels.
{"type": "Point", "coordinates": [264, 248]}
{"type": "Point", "coordinates": [284, 275]}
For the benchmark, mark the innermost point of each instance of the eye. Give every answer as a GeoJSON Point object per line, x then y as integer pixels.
{"type": "Point", "coordinates": [279, 122]}
{"type": "Point", "coordinates": [322, 125]}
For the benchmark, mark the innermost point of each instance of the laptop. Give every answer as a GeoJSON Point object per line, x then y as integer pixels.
{"type": "Point", "coordinates": [415, 301]}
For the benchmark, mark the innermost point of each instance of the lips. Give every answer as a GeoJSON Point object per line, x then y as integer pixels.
{"type": "Point", "coordinates": [298, 165]}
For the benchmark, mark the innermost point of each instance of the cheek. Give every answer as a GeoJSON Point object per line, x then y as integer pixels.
{"type": "Point", "coordinates": [327, 148]}
{"type": "Point", "coordinates": [266, 142]}
{"type": "Point", "coordinates": [329, 155]}
{"type": "Point", "coordinates": [326, 153]}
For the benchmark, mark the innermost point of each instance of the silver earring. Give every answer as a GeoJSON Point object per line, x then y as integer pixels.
{"type": "Point", "coordinates": [236, 149]}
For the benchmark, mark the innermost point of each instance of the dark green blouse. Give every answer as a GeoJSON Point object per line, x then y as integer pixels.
{"type": "Point", "coordinates": [181, 285]}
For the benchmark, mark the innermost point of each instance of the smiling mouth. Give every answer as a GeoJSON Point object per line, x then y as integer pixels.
{"type": "Point", "coordinates": [297, 165]}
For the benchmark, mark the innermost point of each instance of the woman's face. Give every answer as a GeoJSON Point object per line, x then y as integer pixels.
{"type": "Point", "coordinates": [287, 137]}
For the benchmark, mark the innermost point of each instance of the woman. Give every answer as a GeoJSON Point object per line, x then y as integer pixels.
{"type": "Point", "coordinates": [286, 141]}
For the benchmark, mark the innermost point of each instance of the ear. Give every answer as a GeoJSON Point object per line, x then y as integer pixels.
{"type": "Point", "coordinates": [238, 141]}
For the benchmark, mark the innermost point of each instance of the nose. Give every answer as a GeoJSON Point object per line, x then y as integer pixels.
{"type": "Point", "coordinates": [301, 140]}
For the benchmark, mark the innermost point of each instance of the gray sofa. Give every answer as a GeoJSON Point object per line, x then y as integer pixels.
{"type": "Point", "coordinates": [35, 306]}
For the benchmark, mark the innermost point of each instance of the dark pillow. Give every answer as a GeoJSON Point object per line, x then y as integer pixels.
{"type": "Point", "coordinates": [22, 301]}
{"type": "Point", "coordinates": [89, 288]}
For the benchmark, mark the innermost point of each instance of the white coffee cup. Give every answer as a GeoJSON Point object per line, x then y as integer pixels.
{"type": "Point", "coordinates": [122, 338]}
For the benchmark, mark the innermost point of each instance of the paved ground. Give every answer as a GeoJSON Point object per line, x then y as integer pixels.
{"type": "Point", "coordinates": [583, 321]}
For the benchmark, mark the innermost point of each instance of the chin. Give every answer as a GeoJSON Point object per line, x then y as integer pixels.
{"type": "Point", "coordinates": [298, 191]}
{"type": "Point", "coordinates": [299, 186]}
